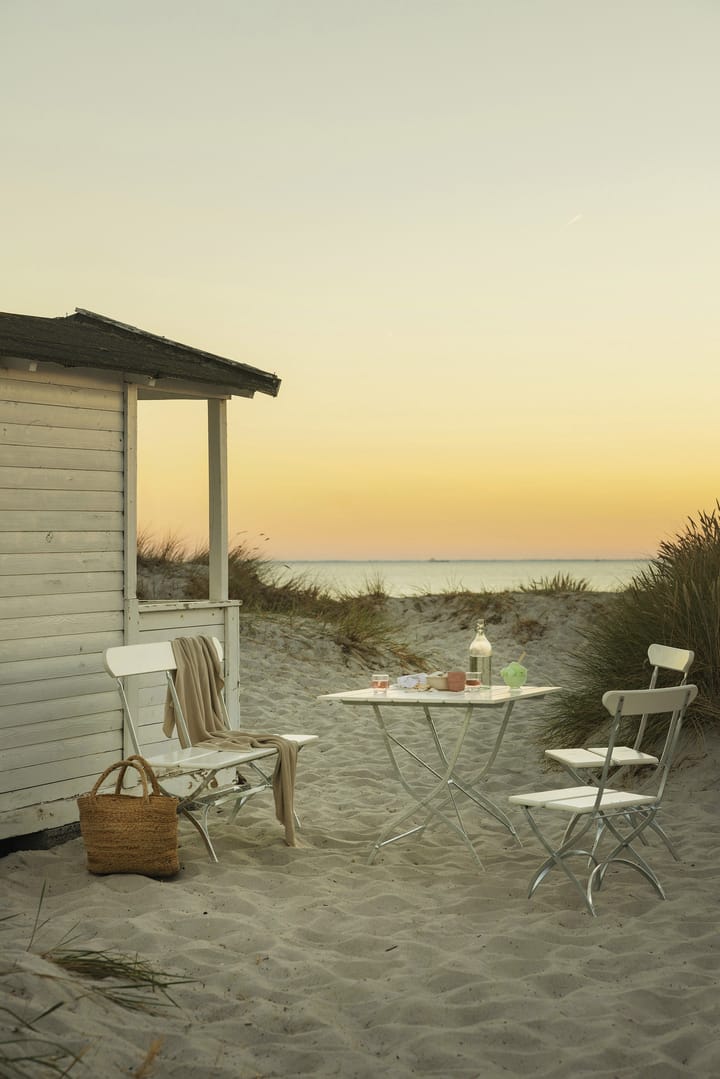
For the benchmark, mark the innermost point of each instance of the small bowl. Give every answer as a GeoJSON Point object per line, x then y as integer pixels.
{"type": "Point", "coordinates": [514, 675]}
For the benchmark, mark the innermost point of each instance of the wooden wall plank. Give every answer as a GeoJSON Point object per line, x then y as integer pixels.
{"type": "Point", "coordinates": [60, 502]}
{"type": "Point", "coordinates": [60, 521]}
{"type": "Point", "coordinates": [22, 607]}
{"type": "Point", "coordinates": [67, 749]}
{"type": "Point", "coordinates": [158, 624]}
{"type": "Point", "coordinates": [65, 708]}
{"type": "Point", "coordinates": [21, 434]}
{"type": "Point", "coordinates": [57, 478]}
{"type": "Point", "coordinates": [40, 391]}
{"type": "Point", "coordinates": [83, 548]}
{"type": "Point", "coordinates": [17, 649]}
{"type": "Point", "coordinates": [42, 668]}
{"type": "Point", "coordinates": [17, 371]}
{"type": "Point", "coordinates": [70, 726]}
{"type": "Point", "coordinates": [152, 692]}
{"type": "Point", "coordinates": [93, 419]}
{"type": "Point", "coordinates": [45, 779]}
{"type": "Point", "coordinates": [52, 584]}
{"type": "Point", "coordinates": [37, 817]}
{"type": "Point", "coordinates": [78, 684]}
{"type": "Point", "coordinates": [60, 625]}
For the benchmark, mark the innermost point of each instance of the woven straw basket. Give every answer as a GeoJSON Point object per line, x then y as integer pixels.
{"type": "Point", "coordinates": [125, 833]}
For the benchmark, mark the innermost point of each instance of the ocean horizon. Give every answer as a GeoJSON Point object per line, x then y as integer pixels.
{"type": "Point", "coordinates": [412, 577]}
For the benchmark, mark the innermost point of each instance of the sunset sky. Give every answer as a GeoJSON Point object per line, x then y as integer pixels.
{"type": "Point", "coordinates": [477, 240]}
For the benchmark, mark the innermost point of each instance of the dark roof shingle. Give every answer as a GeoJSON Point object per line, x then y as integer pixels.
{"type": "Point", "coordinates": [86, 339]}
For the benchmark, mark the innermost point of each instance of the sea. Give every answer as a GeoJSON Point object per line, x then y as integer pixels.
{"type": "Point", "coordinates": [436, 576]}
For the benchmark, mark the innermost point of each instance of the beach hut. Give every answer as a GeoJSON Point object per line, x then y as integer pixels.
{"type": "Point", "coordinates": [69, 391]}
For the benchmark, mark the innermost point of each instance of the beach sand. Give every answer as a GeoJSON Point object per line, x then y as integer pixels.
{"type": "Point", "coordinates": [308, 962]}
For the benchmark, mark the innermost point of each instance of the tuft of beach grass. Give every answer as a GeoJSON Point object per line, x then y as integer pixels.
{"type": "Point", "coordinates": [123, 980]}
{"type": "Point", "coordinates": [559, 583]}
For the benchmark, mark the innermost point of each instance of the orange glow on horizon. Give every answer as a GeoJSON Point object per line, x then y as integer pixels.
{"type": "Point", "coordinates": [345, 506]}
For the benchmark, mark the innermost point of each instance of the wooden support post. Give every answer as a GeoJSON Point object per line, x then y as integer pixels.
{"type": "Point", "coordinates": [218, 498]}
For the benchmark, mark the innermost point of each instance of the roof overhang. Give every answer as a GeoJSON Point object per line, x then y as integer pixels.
{"type": "Point", "coordinates": [89, 340]}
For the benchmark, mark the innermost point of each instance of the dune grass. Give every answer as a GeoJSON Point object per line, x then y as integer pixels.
{"type": "Point", "coordinates": [560, 582]}
{"type": "Point", "coordinates": [356, 621]}
{"type": "Point", "coordinates": [27, 1052]}
{"type": "Point", "coordinates": [674, 601]}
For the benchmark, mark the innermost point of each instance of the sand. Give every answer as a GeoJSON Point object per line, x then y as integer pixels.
{"type": "Point", "coordinates": [308, 962]}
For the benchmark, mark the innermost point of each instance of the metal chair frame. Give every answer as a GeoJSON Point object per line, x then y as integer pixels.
{"type": "Point", "coordinates": [197, 766]}
{"type": "Point", "coordinates": [624, 814]}
{"type": "Point", "coordinates": [584, 765]}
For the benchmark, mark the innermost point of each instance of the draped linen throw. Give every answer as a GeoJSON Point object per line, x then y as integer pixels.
{"type": "Point", "coordinates": [198, 684]}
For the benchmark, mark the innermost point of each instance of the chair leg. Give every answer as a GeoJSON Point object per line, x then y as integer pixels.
{"type": "Point", "coordinates": [239, 803]}
{"type": "Point", "coordinates": [571, 828]}
{"type": "Point", "coordinates": [624, 844]}
{"type": "Point", "coordinates": [558, 858]}
{"type": "Point", "coordinates": [202, 829]}
{"type": "Point", "coordinates": [600, 870]}
{"type": "Point", "coordinates": [666, 839]}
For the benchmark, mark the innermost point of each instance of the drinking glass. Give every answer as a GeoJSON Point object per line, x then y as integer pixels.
{"type": "Point", "coordinates": [380, 682]}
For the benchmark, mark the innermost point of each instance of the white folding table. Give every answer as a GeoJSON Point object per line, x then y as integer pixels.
{"type": "Point", "coordinates": [433, 803]}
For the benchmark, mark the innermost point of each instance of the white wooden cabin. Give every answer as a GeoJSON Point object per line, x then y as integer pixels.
{"type": "Point", "coordinates": [69, 389]}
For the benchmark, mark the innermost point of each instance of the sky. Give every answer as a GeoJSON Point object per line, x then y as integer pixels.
{"type": "Point", "coordinates": [476, 239]}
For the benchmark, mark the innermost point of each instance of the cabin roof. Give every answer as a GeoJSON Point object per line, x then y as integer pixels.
{"type": "Point", "coordinates": [89, 340]}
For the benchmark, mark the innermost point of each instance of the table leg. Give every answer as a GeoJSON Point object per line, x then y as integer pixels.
{"type": "Point", "coordinates": [470, 791]}
{"type": "Point", "coordinates": [439, 792]}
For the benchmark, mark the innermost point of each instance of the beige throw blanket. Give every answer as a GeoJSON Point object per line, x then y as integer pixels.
{"type": "Point", "coordinates": [198, 684]}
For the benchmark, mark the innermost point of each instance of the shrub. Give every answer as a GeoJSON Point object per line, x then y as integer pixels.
{"type": "Point", "coordinates": [675, 601]}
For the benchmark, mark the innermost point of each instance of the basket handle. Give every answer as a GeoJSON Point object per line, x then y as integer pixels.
{"type": "Point", "coordinates": [140, 765]}
{"type": "Point", "coordinates": [147, 769]}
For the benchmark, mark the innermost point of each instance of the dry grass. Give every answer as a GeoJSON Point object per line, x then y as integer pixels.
{"type": "Point", "coordinates": [121, 979]}
{"type": "Point", "coordinates": [25, 1053]}
{"type": "Point", "coordinates": [560, 582]}
{"type": "Point", "coordinates": [117, 979]}
{"type": "Point", "coordinates": [356, 621]}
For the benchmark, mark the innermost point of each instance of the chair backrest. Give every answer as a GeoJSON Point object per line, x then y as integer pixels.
{"type": "Point", "coordinates": [638, 702]}
{"type": "Point", "coordinates": [672, 701]}
{"type": "Point", "coordinates": [665, 657]}
{"type": "Point", "coordinates": [126, 660]}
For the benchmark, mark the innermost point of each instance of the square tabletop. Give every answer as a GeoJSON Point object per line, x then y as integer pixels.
{"type": "Point", "coordinates": [492, 697]}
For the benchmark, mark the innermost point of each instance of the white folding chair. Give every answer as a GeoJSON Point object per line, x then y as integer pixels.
{"type": "Point", "coordinates": [607, 814]}
{"type": "Point", "coordinates": [585, 765]}
{"type": "Point", "coordinates": [207, 777]}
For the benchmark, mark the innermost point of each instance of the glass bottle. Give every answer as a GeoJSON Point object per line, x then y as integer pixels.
{"type": "Point", "coordinates": [481, 654]}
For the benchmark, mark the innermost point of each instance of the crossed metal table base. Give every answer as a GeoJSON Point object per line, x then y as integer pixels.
{"type": "Point", "coordinates": [439, 801]}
